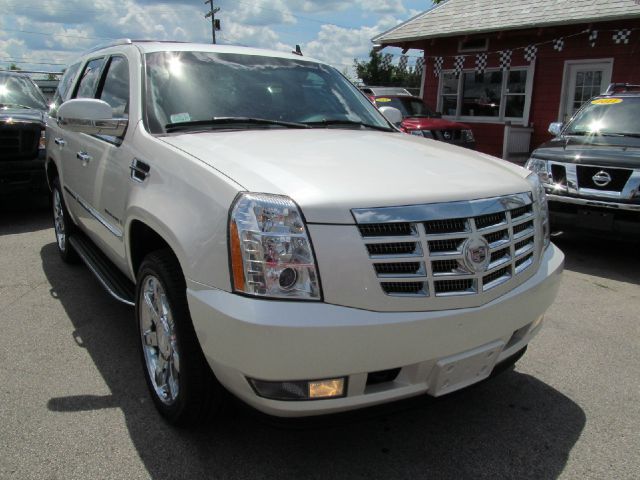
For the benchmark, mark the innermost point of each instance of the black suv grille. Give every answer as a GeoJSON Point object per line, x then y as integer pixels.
{"type": "Point", "coordinates": [619, 178]}
{"type": "Point", "coordinates": [19, 141]}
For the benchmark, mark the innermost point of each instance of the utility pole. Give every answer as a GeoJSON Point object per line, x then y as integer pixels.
{"type": "Point", "coordinates": [212, 13]}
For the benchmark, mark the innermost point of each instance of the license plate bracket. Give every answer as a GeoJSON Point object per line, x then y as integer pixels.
{"type": "Point", "coordinates": [464, 369]}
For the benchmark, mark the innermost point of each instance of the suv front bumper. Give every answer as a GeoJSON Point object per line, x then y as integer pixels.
{"type": "Point", "coordinates": [592, 214]}
{"type": "Point", "coordinates": [23, 175]}
{"type": "Point", "coordinates": [436, 352]}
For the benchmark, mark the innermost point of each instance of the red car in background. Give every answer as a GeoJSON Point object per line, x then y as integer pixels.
{"type": "Point", "coordinates": [418, 119]}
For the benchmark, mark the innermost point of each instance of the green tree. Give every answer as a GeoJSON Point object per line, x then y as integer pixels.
{"type": "Point", "coordinates": [372, 72]}
{"type": "Point", "coordinates": [14, 67]}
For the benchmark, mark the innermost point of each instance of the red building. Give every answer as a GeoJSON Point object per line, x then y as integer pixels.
{"type": "Point", "coordinates": [520, 63]}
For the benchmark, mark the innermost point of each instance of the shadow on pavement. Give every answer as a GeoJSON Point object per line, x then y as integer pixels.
{"type": "Point", "coordinates": [24, 213]}
{"type": "Point", "coordinates": [513, 426]}
{"type": "Point", "coordinates": [604, 256]}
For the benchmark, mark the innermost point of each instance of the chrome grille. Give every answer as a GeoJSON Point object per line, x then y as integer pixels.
{"type": "Point", "coordinates": [425, 256]}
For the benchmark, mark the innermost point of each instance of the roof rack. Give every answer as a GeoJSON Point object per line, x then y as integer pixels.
{"type": "Point", "coordinates": [112, 43]}
{"type": "Point", "coordinates": [620, 88]}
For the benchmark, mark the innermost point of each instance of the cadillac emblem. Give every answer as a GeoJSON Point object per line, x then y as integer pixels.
{"type": "Point", "coordinates": [602, 178]}
{"type": "Point", "coordinates": [476, 254]}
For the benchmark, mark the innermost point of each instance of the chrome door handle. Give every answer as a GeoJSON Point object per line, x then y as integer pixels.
{"type": "Point", "coordinates": [83, 157]}
{"type": "Point", "coordinates": [59, 141]}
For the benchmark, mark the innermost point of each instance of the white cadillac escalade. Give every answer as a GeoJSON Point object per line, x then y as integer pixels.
{"type": "Point", "coordinates": [281, 240]}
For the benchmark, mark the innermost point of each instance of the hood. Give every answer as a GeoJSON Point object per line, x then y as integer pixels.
{"type": "Point", "coordinates": [22, 115]}
{"type": "Point", "coordinates": [424, 123]}
{"type": "Point", "coordinates": [605, 151]}
{"type": "Point", "coordinates": [328, 172]}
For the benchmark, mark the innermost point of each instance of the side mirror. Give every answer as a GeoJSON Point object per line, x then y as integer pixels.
{"type": "Point", "coordinates": [555, 128]}
{"type": "Point", "coordinates": [392, 114]}
{"type": "Point", "coordinates": [90, 116]}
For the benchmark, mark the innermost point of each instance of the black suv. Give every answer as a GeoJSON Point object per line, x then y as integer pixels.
{"type": "Point", "coordinates": [22, 134]}
{"type": "Point", "coordinates": [591, 170]}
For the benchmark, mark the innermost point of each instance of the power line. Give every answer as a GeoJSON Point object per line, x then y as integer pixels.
{"type": "Point", "coordinates": [56, 34]}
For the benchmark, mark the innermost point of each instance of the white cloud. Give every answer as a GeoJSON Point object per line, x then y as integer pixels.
{"type": "Point", "coordinates": [382, 6]}
{"type": "Point", "coordinates": [339, 46]}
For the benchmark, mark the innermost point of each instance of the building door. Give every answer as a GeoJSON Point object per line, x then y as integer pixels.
{"type": "Point", "coordinates": [583, 80]}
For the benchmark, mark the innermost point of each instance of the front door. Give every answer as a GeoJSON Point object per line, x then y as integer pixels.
{"type": "Point", "coordinates": [583, 80]}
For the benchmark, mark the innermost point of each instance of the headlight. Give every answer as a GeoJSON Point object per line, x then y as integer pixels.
{"type": "Point", "coordinates": [540, 197]}
{"type": "Point", "coordinates": [467, 136]}
{"type": "Point", "coordinates": [421, 133]}
{"type": "Point", "coordinates": [271, 255]}
{"type": "Point", "coordinates": [540, 168]}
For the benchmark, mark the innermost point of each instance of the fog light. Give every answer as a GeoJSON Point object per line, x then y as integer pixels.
{"type": "Point", "coordinates": [326, 388]}
{"type": "Point", "coordinates": [300, 390]}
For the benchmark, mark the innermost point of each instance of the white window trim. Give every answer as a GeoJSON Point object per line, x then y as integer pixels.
{"type": "Point", "coordinates": [501, 119]}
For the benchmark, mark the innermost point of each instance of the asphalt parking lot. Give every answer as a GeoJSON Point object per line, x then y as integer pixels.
{"type": "Point", "coordinates": [73, 403]}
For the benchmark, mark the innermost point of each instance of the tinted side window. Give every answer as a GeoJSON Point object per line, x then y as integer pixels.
{"type": "Point", "coordinates": [90, 78]}
{"type": "Point", "coordinates": [116, 86]}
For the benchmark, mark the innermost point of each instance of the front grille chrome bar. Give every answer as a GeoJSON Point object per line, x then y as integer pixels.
{"type": "Point", "coordinates": [417, 251]}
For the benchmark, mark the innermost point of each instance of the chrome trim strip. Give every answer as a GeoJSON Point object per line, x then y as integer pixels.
{"type": "Point", "coordinates": [95, 214]}
{"type": "Point", "coordinates": [441, 211]}
{"type": "Point", "coordinates": [594, 203]}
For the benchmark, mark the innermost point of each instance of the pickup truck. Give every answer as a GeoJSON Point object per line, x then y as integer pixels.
{"type": "Point", "coordinates": [281, 241]}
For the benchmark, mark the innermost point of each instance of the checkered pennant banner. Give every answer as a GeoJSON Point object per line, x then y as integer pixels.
{"type": "Point", "coordinates": [558, 44]}
{"type": "Point", "coordinates": [402, 64]}
{"type": "Point", "coordinates": [505, 59]}
{"type": "Point", "coordinates": [622, 36]}
{"type": "Point", "coordinates": [386, 61]}
{"type": "Point", "coordinates": [437, 66]}
{"type": "Point", "coordinates": [481, 63]}
{"type": "Point", "coordinates": [417, 68]}
{"type": "Point", "coordinates": [593, 36]}
{"type": "Point", "coordinates": [530, 53]}
{"type": "Point", "coordinates": [458, 64]}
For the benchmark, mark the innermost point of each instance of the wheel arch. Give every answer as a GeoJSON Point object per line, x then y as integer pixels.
{"type": "Point", "coordinates": [51, 171]}
{"type": "Point", "coordinates": [145, 237]}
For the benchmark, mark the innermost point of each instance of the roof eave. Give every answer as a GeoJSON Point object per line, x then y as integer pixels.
{"type": "Point", "coordinates": [397, 41]}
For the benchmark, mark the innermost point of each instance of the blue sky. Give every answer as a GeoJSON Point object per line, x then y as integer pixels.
{"type": "Point", "coordinates": [39, 34]}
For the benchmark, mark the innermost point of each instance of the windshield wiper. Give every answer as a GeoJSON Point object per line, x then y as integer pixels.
{"type": "Point", "coordinates": [603, 134]}
{"type": "Point", "coordinates": [7, 105]}
{"type": "Point", "coordinates": [329, 122]}
{"type": "Point", "coordinates": [621, 134]}
{"type": "Point", "coordinates": [213, 122]}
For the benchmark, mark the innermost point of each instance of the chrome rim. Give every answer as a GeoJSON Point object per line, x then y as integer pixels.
{"type": "Point", "coordinates": [58, 220]}
{"type": "Point", "coordinates": [159, 344]}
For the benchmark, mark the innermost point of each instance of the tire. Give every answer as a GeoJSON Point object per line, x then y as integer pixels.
{"type": "Point", "coordinates": [63, 226]}
{"type": "Point", "coordinates": [180, 381]}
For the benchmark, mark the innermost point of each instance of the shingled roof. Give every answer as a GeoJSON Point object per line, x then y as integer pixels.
{"type": "Point", "coordinates": [464, 17]}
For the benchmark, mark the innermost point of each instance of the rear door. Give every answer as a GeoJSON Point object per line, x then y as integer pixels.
{"type": "Point", "coordinates": [112, 157]}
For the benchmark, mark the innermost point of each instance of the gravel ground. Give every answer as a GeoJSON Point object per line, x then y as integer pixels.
{"type": "Point", "coordinates": [73, 403]}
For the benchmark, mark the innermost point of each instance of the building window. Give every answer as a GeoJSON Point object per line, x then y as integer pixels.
{"type": "Point", "coordinates": [473, 45]}
{"type": "Point", "coordinates": [490, 96]}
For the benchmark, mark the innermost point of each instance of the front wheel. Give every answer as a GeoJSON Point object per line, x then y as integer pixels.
{"type": "Point", "coordinates": [182, 386]}
{"type": "Point", "coordinates": [62, 224]}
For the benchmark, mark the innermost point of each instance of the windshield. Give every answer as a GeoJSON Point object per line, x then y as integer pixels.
{"type": "Point", "coordinates": [191, 87]}
{"type": "Point", "coordinates": [607, 116]}
{"type": "Point", "coordinates": [19, 92]}
{"type": "Point", "coordinates": [409, 107]}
